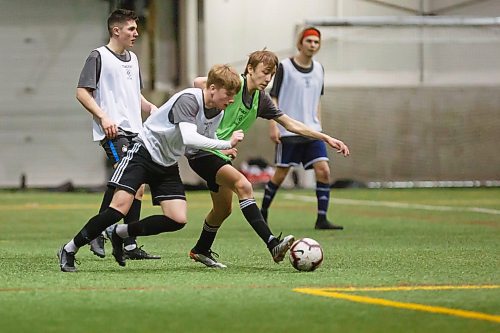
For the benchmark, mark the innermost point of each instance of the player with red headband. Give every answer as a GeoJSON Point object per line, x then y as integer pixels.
{"type": "Point", "coordinates": [297, 89]}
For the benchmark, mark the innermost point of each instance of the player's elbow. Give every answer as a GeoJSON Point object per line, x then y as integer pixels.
{"type": "Point", "coordinates": [186, 141]}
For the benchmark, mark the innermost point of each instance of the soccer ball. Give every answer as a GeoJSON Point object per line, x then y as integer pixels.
{"type": "Point", "coordinates": [306, 254]}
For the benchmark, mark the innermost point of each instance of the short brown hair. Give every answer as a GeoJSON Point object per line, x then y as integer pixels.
{"type": "Point", "coordinates": [224, 76]}
{"type": "Point", "coordinates": [120, 16]}
{"type": "Point", "coordinates": [300, 35]}
{"type": "Point", "coordinates": [268, 58]}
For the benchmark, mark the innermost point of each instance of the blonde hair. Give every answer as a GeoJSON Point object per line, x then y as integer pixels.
{"type": "Point", "coordinates": [224, 76]}
{"type": "Point", "coordinates": [268, 58]}
{"type": "Point", "coordinates": [300, 36]}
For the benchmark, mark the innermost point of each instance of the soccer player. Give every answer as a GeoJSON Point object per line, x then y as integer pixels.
{"type": "Point", "coordinates": [189, 118]}
{"type": "Point", "coordinates": [223, 179]}
{"type": "Point", "coordinates": [297, 89]}
{"type": "Point", "coordinates": [110, 89]}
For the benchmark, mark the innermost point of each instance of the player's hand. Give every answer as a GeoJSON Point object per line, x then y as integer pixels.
{"type": "Point", "coordinates": [109, 127]}
{"type": "Point", "coordinates": [236, 137]}
{"type": "Point", "coordinates": [274, 134]}
{"type": "Point", "coordinates": [232, 153]}
{"type": "Point", "coordinates": [339, 145]}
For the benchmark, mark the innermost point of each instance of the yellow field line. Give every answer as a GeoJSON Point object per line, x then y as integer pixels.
{"type": "Point", "coordinates": [411, 288]}
{"type": "Point", "coordinates": [401, 305]}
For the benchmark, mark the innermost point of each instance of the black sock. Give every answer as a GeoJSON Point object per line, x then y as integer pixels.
{"type": "Point", "coordinates": [133, 215]}
{"type": "Point", "coordinates": [254, 217]}
{"type": "Point", "coordinates": [207, 238]}
{"type": "Point", "coordinates": [96, 225]}
{"type": "Point", "coordinates": [323, 197]}
{"type": "Point", "coordinates": [106, 199]}
{"type": "Point", "coordinates": [153, 225]}
{"type": "Point", "coordinates": [269, 194]}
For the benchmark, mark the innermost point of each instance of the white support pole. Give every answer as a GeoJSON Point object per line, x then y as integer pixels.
{"type": "Point", "coordinates": [191, 39]}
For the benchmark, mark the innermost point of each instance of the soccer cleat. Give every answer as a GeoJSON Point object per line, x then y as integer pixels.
{"type": "Point", "coordinates": [66, 260]}
{"type": "Point", "coordinates": [139, 254]}
{"type": "Point", "coordinates": [206, 259]}
{"type": "Point", "coordinates": [278, 252]}
{"type": "Point", "coordinates": [97, 246]}
{"type": "Point", "coordinates": [117, 243]}
{"type": "Point", "coordinates": [326, 225]}
{"type": "Point", "coordinates": [109, 231]}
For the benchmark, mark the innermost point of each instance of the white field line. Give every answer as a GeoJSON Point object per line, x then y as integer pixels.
{"type": "Point", "coordinates": [401, 205]}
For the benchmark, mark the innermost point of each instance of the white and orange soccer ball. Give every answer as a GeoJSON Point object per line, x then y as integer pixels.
{"type": "Point", "coordinates": [306, 254]}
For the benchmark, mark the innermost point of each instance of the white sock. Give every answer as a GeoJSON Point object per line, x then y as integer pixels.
{"type": "Point", "coordinates": [122, 230]}
{"type": "Point", "coordinates": [71, 247]}
{"type": "Point", "coordinates": [270, 239]}
{"type": "Point", "coordinates": [130, 247]}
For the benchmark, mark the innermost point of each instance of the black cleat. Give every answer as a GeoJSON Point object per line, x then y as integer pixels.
{"type": "Point", "coordinates": [139, 254]}
{"type": "Point", "coordinates": [66, 260]}
{"type": "Point", "coordinates": [97, 246]}
{"type": "Point", "coordinates": [326, 225]}
{"type": "Point", "coordinates": [117, 243]}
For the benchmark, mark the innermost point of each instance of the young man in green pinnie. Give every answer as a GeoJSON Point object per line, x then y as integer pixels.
{"type": "Point", "coordinates": [223, 179]}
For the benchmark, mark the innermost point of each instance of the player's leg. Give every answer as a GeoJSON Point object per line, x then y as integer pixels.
{"type": "Point", "coordinates": [317, 159]}
{"type": "Point", "coordinates": [97, 244]}
{"type": "Point", "coordinates": [167, 191]}
{"type": "Point", "coordinates": [172, 219]}
{"type": "Point", "coordinates": [221, 209]}
{"type": "Point", "coordinates": [287, 154]}
{"type": "Point", "coordinates": [207, 167]}
{"type": "Point", "coordinates": [115, 150]}
{"type": "Point", "coordinates": [118, 208]}
{"type": "Point", "coordinates": [271, 188]}
{"type": "Point", "coordinates": [131, 250]}
{"type": "Point", "coordinates": [229, 177]}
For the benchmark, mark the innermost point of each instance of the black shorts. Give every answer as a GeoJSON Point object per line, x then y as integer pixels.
{"type": "Point", "coordinates": [117, 148]}
{"type": "Point", "coordinates": [206, 167]}
{"type": "Point", "coordinates": [137, 168]}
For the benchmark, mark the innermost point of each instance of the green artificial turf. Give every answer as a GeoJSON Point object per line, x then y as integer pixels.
{"type": "Point", "coordinates": [392, 238]}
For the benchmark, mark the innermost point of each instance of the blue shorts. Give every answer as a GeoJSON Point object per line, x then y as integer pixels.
{"type": "Point", "coordinates": [294, 151]}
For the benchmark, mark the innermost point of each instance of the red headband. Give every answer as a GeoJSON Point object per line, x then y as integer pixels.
{"type": "Point", "coordinates": [310, 32]}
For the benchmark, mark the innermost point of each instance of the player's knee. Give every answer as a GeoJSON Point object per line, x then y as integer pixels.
{"type": "Point", "coordinates": [243, 187]}
{"type": "Point", "coordinates": [180, 220]}
{"type": "Point", "coordinates": [279, 176]}
{"type": "Point", "coordinates": [179, 225]}
{"type": "Point", "coordinates": [323, 174]}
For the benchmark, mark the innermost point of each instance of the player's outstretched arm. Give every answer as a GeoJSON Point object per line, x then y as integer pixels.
{"type": "Point", "coordinates": [300, 128]}
{"type": "Point", "coordinates": [191, 137]}
{"type": "Point", "coordinates": [274, 132]}
{"type": "Point", "coordinates": [339, 145]}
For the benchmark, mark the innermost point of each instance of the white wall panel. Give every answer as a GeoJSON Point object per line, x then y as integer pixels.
{"type": "Point", "coordinates": [45, 132]}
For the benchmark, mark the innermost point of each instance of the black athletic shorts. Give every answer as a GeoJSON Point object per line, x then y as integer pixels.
{"type": "Point", "coordinates": [117, 148]}
{"type": "Point", "coordinates": [137, 168]}
{"type": "Point", "coordinates": [206, 167]}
